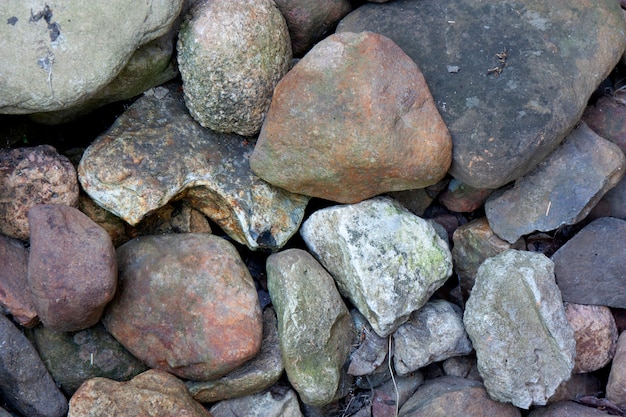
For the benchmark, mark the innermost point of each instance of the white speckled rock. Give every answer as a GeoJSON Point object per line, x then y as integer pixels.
{"type": "Point", "coordinates": [385, 259]}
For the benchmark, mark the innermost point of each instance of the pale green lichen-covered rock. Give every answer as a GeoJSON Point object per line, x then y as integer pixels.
{"type": "Point", "coordinates": [385, 259]}
{"type": "Point", "coordinates": [515, 318]}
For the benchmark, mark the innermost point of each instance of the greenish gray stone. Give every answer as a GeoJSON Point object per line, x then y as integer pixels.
{"type": "Point", "coordinates": [315, 329]}
{"type": "Point", "coordinates": [385, 259]}
{"type": "Point", "coordinates": [515, 317]}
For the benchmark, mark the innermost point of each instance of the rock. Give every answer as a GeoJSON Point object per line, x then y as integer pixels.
{"type": "Point", "coordinates": [4, 413]}
{"type": "Point", "coordinates": [74, 357]}
{"type": "Point", "coordinates": [596, 334]}
{"type": "Point", "coordinates": [578, 385]}
{"type": "Point", "coordinates": [396, 391]}
{"type": "Point", "coordinates": [371, 349]}
{"type": "Point", "coordinates": [311, 20]}
{"type": "Point", "coordinates": [72, 268]}
{"type": "Point", "coordinates": [231, 55]}
{"type": "Point", "coordinates": [113, 225]}
{"type": "Point", "coordinates": [15, 296]}
{"type": "Point", "coordinates": [463, 366]}
{"type": "Point", "coordinates": [31, 176]}
{"type": "Point", "coordinates": [25, 383]}
{"type": "Point", "coordinates": [152, 393]}
{"type": "Point", "coordinates": [541, 71]}
{"type": "Point", "coordinates": [416, 201]}
{"type": "Point", "coordinates": [155, 153]}
{"type": "Point", "coordinates": [566, 409]}
{"type": "Point", "coordinates": [385, 133]}
{"type": "Point", "coordinates": [51, 44]}
{"type": "Point", "coordinates": [433, 333]}
{"type": "Point", "coordinates": [174, 217]}
{"type": "Point", "coordinates": [615, 201]}
{"type": "Point", "coordinates": [605, 118]}
{"type": "Point", "coordinates": [258, 374]}
{"type": "Point", "coordinates": [315, 329]}
{"type": "Point", "coordinates": [553, 195]}
{"type": "Point", "coordinates": [449, 395]}
{"type": "Point", "coordinates": [461, 197]}
{"type": "Point", "coordinates": [515, 318]}
{"type": "Point", "coordinates": [274, 403]}
{"type": "Point", "coordinates": [589, 267]}
{"type": "Point", "coordinates": [616, 385]}
{"type": "Point", "coordinates": [215, 330]}
{"type": "Point", "coordinates": [386, 260]}
{"type": "Point", "coordinates": [473, 243]}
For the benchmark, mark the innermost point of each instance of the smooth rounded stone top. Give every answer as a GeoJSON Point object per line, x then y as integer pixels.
{"type": "Point", "coordinates": [56, 53]}
{"type": "Point", "coordinates": [515, 317]}
{"type": "Point", "coordinates": [218, 326]}
{"type": "Point", "coordinates": [231, 54]}
{"type": "Point", "coordinates": [510, 80]}
{"type": "Point", "coordinates": [385, 259]}
{"type": "Point", "coordinates": [354, 118]}
{"type": "Point", "coordinates": [31, 176]}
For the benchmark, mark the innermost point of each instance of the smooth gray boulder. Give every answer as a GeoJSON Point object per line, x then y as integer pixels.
{"type": "Point", "coordinates": [515, 317]}
{"type": "Point", "coordinates": [385, 259]}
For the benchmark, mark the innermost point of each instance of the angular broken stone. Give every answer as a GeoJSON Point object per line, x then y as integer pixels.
{"type": "Point", "coordinates": [515, 317]}
{"type": "Point", "coordinates": [554, 194]}
{"type": "Point", "coordinates": [155, 152]}
{"type": "Point", "coordinates": [15, 295]}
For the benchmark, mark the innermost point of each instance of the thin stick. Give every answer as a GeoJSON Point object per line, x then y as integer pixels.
{"type": "Point", "coordinates": [548, 209]}
{"type": "Point", "coordinates": [395, 386]}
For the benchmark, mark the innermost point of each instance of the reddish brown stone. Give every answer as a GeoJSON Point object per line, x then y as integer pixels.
{"type": "Point", "coordinates": [567, 409]}
{"type": "Point", "coordinates": [31, 176]}
{"type": "Point", "coordinates": [72, 270]}
{"type": "Point", "coordinates": [186, 304]}
{"type": "Point", "coordinates": [616, 385]}
{"type": "Point", "coordinates": [15, 295]}
{"type": "Point", "coordinates": [462, 198]}
{"type": "Point", "coordinates": [606, 118]}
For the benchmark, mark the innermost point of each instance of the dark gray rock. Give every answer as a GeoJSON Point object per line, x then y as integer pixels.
{"type": "Point", "coordinates": [510, 80]}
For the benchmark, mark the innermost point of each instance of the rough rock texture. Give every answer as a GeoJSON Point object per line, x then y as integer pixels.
{"type": "Point", "coordinates": [398, 390]}
{"type": "Point", "coordinates": [74, 357]}
{"type": "Point", "coordinates": [577, 385]}
{"type": "Point", "coordinates": [72, 268]}
{"type": "Point", "coordinates": [258, 374]}
{"type": "Point", "coordinates": [315, 329]}
{"type": "Point", "coordinates": [231, 54]}
{"type": "Point", "coordinates": [155, 152]}
{"type": "Point", "coordinates": [370, 351]}
{"type": "Point", "coordinates": [385, 133]}
{"type": "Point", "coordinates": [461, 197]}
{"type": "Point", "coordinates": [596, 334]}
{"type": "Point", "coordinates": [152, 393]}
{"type": "Point", "coordinates": [386, 260]}
{"type": "Point", "coordinates": [606, 116]}
{"type": "Point", "coordinates": [590, 267]}
{"type": "Point", "coordinates": [31, 176]}
{"type": "Point", "coordinates": [279, 402]}
{"type": "Point", "coordinates": [553, 194]}
{"type": "Point", "coordinates": [567, 409]}
{"type": "Point", "coordinates": [25, 384]}
{"type": "Point", "coordinates": [616, 385]}
{"type": "Point", "coordinates": [510, 80]}
{"type": "Point", "coordinates": [515, 318]}
{"type": "Point", "coordinates": [450, 396]}
{"type": "Point", "coordinates": [217, 327]}
{"type": "Point", "coordinates": [15, 296]}
{"type": "Point", "coordinates": [310, 20]}
{"type": "Point", "coordinates": [433, 333]}
{"type": "Point", "coordinates": [51, 43]}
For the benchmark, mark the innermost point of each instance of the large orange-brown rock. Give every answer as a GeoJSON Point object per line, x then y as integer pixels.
{"type": "Point", "coordinates": [186, 304]}
{"type": "Point", "coordinates": [353, 119]}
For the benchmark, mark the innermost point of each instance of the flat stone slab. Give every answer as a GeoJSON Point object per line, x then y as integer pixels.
{"type": "Point", "coordinates": [155, 152]}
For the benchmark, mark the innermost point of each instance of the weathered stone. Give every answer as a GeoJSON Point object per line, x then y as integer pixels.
{"type": "Point", "coordinates": [218, 326]}
{"type": "Point", "coordinates": [25, 383]}
{"type": "Point", "coordinates": [553, 194]}
{"type": "Point", "coordinates": [231, 54]}
{"type": "Point", "coordinates": [576, 386]}
{"type": "Point", "coordinates": [31, 176]}
{"type": "Point", "coordinates": [606, 118]}
{"type": "Point", "coordinates": [473, 243]}
{"type": "Point", "coordinates": [49, 44]}
{"type": "Point", "coordinates": [72, 269]}
{"type": "Point", "coordinates": [310, 20]}
{"type": "Point", "coordinates": [590, 267]}
{"type": "Point", "coordinates": [433, 333]}
{"type": "Point", "coordinates": [174, 217]}
{"type": "Point", "coordinates": [315, 329]}
{"type": "Point", "coordinates": [616, 385]}
{"type": "Point", "coordinates": [254, 376]}
{"type": "Point", "coordinates": [371, 349]}
{"type": "Point", "coordinates": [274, 403]}
{"type": "Point", "coordinates": [113, 225]}
{"type": "Point", "coordinates": [74, 357]}
{"type": "Point", "coordinates": [461, 197]}
{"type": "Point", "coordinates": [515, 318]}
{"type": "Point", "coordinates": [595, 333]}
{"type": "Point", "coordinates": [566, 409]}
{"type": "Point", "coordinates": [449, 396]}
{"type": "Point", "coordinates": [416, 201]}
{"type": "Point", "coordinates": [386, 260]}
{"type": "Point", "coordinates": [385, 133]}
{"type": "Point", "coordinates": [155, 153]}
{"type": "Point", "coordinates": [523, 75]}
{"type": "Point", "coordinates": [15, 295]}
{"type": "Point", "coordinates": [152, 393]}
{"type": "Point", "coordinates": [394, 393]}
{"type": "Point", "coordinates": [615, 201]}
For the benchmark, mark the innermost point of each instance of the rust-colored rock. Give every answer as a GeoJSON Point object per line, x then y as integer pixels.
{"type": "Point", "coordinates": [15, 295]}
{"type": "Point", "coordinates": [186, 304]}
{"type": "Point", "coordinates": [72, 270]}
{"type": "Point", "coordinates": [616, 385]}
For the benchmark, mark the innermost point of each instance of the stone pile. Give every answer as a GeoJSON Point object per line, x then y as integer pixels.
{"type": "Point", "coordinates": [419, 216]}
